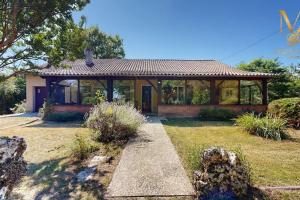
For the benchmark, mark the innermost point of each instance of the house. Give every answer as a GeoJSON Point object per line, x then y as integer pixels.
{"type": "Point", "coordinates": [160, 86]}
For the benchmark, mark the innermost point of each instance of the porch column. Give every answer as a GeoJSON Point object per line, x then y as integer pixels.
{"type": "Point", "coordinates": [78, 92]}
{"type": "Point", "coordinates": [48, 81]}
{"type": "Point", "coordinates": [213, 92]}
{"type": "Point", "coordinates": [265, 92]}
{"type": "Point", "coordinates": [109, 90]}
{"type": "Point", "coordinates": [239, 92]}
{"type": "Point", "coordinates": [159, 91]}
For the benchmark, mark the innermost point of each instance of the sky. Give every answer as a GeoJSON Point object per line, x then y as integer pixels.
{"type": "Point", "coordinates": [232, 31]}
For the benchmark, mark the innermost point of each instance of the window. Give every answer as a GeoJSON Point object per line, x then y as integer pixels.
{"type": "Point", "coordinates": [227, 91]}
{"type": "Point", "coordinates": [88, 89]}
{"type": "Point", "coordinates": [251, 92]}
{"type": "Point", "coordinates": [198, 92]}
{"type": "Point", "coordinates": [173, 92]}
{"type": "Point", "coordinates": [123, 91]}
{"type": "Point", "coordinates": [64, 92]}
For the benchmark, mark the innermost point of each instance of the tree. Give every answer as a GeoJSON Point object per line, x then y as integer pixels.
{"type": "Point", "coordinates": [22, 21]}
{"type": "Point", "coordinates": [284, 84]}
{"type": "Point", "coordinates": [12, 91]}
{"type": "Point", "coordinates": [71, 42]}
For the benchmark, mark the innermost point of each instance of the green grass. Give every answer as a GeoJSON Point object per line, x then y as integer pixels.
{"type": "Point", "coordinates": [273, 163]}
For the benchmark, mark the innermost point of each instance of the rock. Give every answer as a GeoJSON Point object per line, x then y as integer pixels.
{"type": "Point", "coordinates": [97, 160]}
{"type": "Point", "coordinates": [86, 174]}
{"type": "Point", "coordinates": [12, 164]}
{"type": "Point", "coordinates": [223, 176]}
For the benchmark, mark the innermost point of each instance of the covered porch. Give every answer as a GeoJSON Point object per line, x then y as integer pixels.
{"type": "Point", "coordinates": [163, 96]}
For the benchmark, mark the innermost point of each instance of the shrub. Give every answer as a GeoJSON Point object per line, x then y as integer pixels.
{"type": "Point", "coordinates": [19, 107]}
{"type": "Point", "coordinates": [216, 114]}
{"type": "Point", "coordinates": [64, 116]}
{"type": "Point", "coordinates": [81, 148]}
{"type": "Point", "coordinates": [46, 109]}
{"type": "Point", "coordinates": [111, 121]}
{"type": "Point", "coordinates": [267, 127]}
{"type": "Point", "coordinates": [288, 108]}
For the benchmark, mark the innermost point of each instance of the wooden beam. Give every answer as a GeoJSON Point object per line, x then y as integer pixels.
{"type": "Point", "coordinates": [159, 83]}
{"type": "Point", "coordinates": [185, 92]}
{"type": "Point", "coordinates": [109, 90]}
{"type": "Point", "coordinates": [134, 94]}
{"type": "Point", "coordinates": [78, 92]}
{"type": "Point", "coordinates": [213, 99]}
{"type": "Point", "coordinates": [48, 88]}
{"type": "Point", "coordinates": [154, 87]}
{"type": "Point", "coordinates": [239, 92]}
{"type": "Point", "coordinates": [265, 91]}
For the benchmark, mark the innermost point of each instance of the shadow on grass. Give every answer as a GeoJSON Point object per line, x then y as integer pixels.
{"type": "Point", "coordinates": [58, 180]}
{"type": "Point", "coordinates": [51, 124]}
{"type": "Point", "coordinates": [194, 122]}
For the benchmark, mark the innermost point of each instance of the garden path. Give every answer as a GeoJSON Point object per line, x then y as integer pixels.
{"type": "Point", "coordinates": [150, 166]}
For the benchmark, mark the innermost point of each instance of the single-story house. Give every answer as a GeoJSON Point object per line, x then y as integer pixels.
{"type": "Point", "coordinates": [158, 86]}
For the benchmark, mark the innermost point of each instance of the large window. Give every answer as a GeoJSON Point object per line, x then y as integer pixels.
{"type": "Point", "coordinates": [227, 91]}
{"type": "Point", "coordinates": [173, 92]}
{"type": "Point", "coordinates": [251, 92]}
{"type": "Point", "coordinates": [198, 92]}
{"type": "Point", "coordinates": [64, 92]}
{"type": "Point", "coordinates": [89, 88]}
{"type": "Point", "coordinates": [123, 91]}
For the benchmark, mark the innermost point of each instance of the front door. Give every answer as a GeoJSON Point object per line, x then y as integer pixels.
{"type": "Point", "coordinates": [146, 99]}
{"type": "Point", "coordinates": [40, 96]}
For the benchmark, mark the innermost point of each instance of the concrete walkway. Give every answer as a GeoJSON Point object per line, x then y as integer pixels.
{"type": "Point", "coordinates": [150, 166]}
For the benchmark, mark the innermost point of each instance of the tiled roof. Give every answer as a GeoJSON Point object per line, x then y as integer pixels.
{"type": "Point", "coordinates": [149, 67]}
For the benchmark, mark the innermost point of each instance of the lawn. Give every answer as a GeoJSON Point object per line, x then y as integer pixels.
{"type": "Point", "coordinates": [51, 170]}
{"type": "Point", "coordinates": [273, 163]}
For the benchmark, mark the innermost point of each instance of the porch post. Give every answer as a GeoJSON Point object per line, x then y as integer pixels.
{"type": "Point", "coordinates": [109, 90]}
{"type": "Point", "coordinates": [265, 92]}
{"type": "Point", "coordinates": [213, 92]}
{"type": "Point", "coordinates": [134, 94]}
{"type": "Point", "coordinates": [239, 92]}
{"type": "Point", "coordinates": [48, 81]}
{"type": "Point", "coordinates": [159, 91]}
{"type": "Point", "coordinates": [78, 92]}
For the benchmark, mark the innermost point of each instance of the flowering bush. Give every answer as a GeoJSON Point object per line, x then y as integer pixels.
{"type": "Point", "coordinates": [112, 122]}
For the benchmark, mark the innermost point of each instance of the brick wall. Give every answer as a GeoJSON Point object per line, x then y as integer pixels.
{"type": "Point", "coordinates": [193, 110]}
{"type": "Point", "coordinates": [71, 108]}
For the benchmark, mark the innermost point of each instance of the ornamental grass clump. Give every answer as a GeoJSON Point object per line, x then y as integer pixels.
{"type": "Point", "coordinates": [81, 148]}
{"type": "Point", "coordinates": [266, 127]}
{"type": "Point", "coordinates": [114, 122]}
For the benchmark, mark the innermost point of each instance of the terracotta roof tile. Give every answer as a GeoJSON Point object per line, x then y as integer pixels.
{"type": "Point", "coordinates": [149, 67]}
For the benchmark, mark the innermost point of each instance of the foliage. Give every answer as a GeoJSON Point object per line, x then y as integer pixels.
{"type": "Point", "coordinates": [201, 97]}
{"type": "Point", "coordinates": [19, 107]}
{"type": "Point", "coordinates": [288, 108]}
{"type": "Point", "coordinates": [218, 114]}
{"type": "Point", "coordinates": [46, 109]}
{"type": "Point", "coordinates": [97, 99]}
{"type": "Point", "coordinates": [73, 39]}
{"type": "Point", "coordinates": [286, 83]}
{"type": "Point", "coordinates": [22, 22]}
{"type": "Point", "coordinates": [81, 148]}
{"type": "Point", "coordinates": [12, 91]}
{"type": "Point", "coordinates": [64, 116]}
{"type": "Point", "coordinates": [266, 127]}
{"type": "Point", "coordinates": [113, 122]}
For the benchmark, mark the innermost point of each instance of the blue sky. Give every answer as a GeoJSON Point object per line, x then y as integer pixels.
{"type": "Point", "coordinates": [196, 29]}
